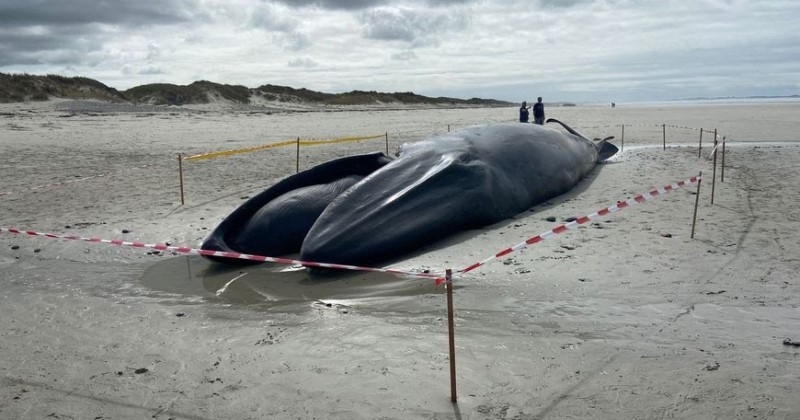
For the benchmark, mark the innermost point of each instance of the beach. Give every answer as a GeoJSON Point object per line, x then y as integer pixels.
{"type": "Point", "coordinates": [624, 317]}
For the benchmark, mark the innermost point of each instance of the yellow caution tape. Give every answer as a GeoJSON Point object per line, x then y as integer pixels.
{"type": "Point", "coordinates": [340, 140]}
{"type": "Point", "coordinates": [221, 153]}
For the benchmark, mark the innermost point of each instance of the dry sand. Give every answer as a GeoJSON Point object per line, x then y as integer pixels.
{"type": "Point", "coordinates": [626, 318]}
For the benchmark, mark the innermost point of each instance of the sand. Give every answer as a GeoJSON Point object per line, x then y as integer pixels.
{"type": "Point", "coordinates": [625, 317]}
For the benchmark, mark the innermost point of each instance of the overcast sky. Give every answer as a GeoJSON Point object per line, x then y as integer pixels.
{"type": "Point", "coordinates": [563, 50]}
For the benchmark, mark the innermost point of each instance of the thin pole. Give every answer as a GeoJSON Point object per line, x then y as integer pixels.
{"type": "Point", "coordinates": [451, 333]}
{"type": "Point", "coordinates": [714, 172]}
{"type": "Point", "coordinates": [448, 128]}
{"type": "Point", "coordinates": [696, 202]}
{"type": "Point", "coordinates": [722, 176]}
{"type": "Point", "coordinates": [180, 172]}
{"type": "Point", "coordinates": [297, 161]}
{"type": "Point", "coordinates": [664, 130]}
{"type": "Point", "coordinates": [387, 142]}
{"type": "Point", "coordinates": [188, 269]}
{"type": "Point", "coordinates": [700, 146]}
{"type": "Point", "coordinates": [623, 138]}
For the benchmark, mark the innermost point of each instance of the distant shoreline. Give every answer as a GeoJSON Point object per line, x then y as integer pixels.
{"type": "Point", "coordinates": [702, 102]}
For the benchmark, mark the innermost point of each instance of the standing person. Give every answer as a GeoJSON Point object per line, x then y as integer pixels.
{"type": "Point", "coordinates": [524, 114]}
{"type": "Point", "coordinates": [538, 111]}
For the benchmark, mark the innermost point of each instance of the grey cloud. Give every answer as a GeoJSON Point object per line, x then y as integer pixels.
{"type": "Point", "coordinates": [18, 13]}
{"type": "Point", "coordinates": [153, 52]}
{"type": "Point", "coordinates": [363, 4]}
{"type": "Point", "coordinates": [336, 4]}
{"type": "Point", "coordinates": [409, 25]}
{"type": "Point", "coordinates": [56, 46]}
{"type": "Point", "coordinates": [562, 4]}
{"type": "Point", "coordinates": [63, 32]}
{"type": "Point", "coordinates": [293, 41]}
{"type": "Point", "coordinates": [302, 63]}
{"type": "Point", "coordinates": [286, 27]}
{"type": "Point", "coordinates": [388, 25]}
{"type": "Point", "coordinates": [16, 41]}
{"type": "Point", "coordinates": [267, 18]}
{"type": "Point", "coordinates": [407, 55]}
{"type": "Point", "coordinates": [146, 70]}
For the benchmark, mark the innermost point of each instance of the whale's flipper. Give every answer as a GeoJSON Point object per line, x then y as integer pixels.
{"type": "Point", "coordinates": [606, 150]}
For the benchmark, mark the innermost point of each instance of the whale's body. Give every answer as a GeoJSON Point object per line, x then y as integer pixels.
{"type": "Point", "coordinates": [367, 209]}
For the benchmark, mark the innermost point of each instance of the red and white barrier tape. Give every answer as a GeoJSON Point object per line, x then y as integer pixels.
{"type": "Point", "coordinates": [720, 143]}
{"type": "Point", "coordinates": [236, 255]}
{"type": "Point", "coordinates": [641, 198]}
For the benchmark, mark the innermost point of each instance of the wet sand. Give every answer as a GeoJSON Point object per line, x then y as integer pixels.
{"type": "Point", "coordinates": [626, 317]}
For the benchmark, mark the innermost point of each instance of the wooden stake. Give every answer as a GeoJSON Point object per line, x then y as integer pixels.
{"type": "Point", "coordinates": [664, 130]}
{"type": "Point", "coordinates": [451, 333]}
{"type": "Point", "coordinates": [722, 166]}
{"type": "Point", "coordinates": [700, 146]}
{"type": "Point", "coordinates": [188, 269]}
{"type": "Point", "coordinates": [696, 203]}
{"type": "Point", "coordinates": [714, 172]}
{"type": "Point", "coordinates": [387, 142]}
{"type": "Point", "coordinates": [180, 174]}
{"type": "Point", "coordinates": [622, 148]}
{"type": "Point", "coordinates": [297, 163]}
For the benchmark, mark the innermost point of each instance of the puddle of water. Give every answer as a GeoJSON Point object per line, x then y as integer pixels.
{"type": "Point", "coordinates": [195, 276]}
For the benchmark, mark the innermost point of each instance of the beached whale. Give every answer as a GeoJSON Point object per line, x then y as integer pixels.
{"type": "Point", "coordinates": [371, 208]}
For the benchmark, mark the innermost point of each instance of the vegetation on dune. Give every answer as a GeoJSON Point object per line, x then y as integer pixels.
{"type": "Point", "coordinates": [201, 92]}
{"type": "Point", "coordinates": [288, 94]}
{"type": "Point", "coordinates": [25, 87]}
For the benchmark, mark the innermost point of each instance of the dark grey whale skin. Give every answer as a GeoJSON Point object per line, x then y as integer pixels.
{"type": "Point", "coordinates": [461, 180]}
{"type": "Point", "coordinates": [449, 183]}
{"type": "Point", "coordinates": [276, 221]}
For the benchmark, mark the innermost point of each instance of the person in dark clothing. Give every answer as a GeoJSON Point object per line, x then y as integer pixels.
{"type": "Point", "coordinates": [524, 114]}
{"type": "Point", "coordinates": [538, 111]}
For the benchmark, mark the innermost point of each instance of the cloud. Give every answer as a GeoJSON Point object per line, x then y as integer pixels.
{"type": "Point", "coordinates": [406, 55]}
{"type": "Point", "coordinates": [69, 32]}
{"type": "Point", "coordinates": [412, 26]}
{"type": "Point", "coordinates": [562, 4]}
{"type": "Point", "coordinates": [294, 41]}
{"type": "Point", "coordinates": [273, 18]}
{"type": "Point", "coordinates": [302, 63]}
{"type": "Point", "coordinates": [355, 5]}
{"type": "Point", "coordinates": [335, 4]}
{"type": "Point", "coordinates": [85, 12]}
{"type": "Point", "coordinates": [146, 70]}
{"type": "Point", "coordinates": [506, 49]}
